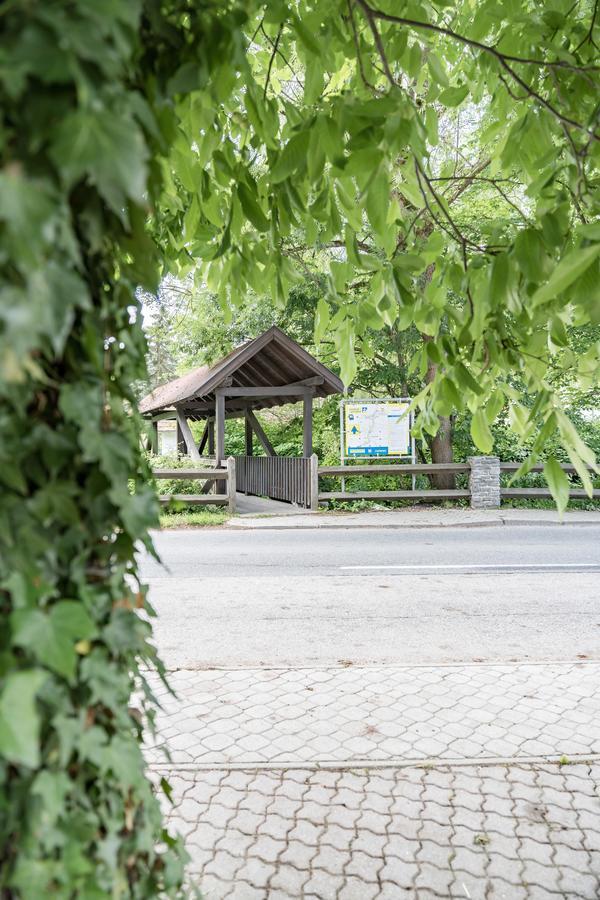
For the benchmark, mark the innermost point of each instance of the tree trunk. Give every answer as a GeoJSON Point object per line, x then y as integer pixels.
{"type": "Point", "coordinates": [442, 452]}
{"type": "Point", "coordinates": [441, 445]}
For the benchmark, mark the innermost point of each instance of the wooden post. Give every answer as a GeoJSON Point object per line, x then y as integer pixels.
{"type": "Point", "coordinates": [307, 423]}
{"type": "Point", "coordinates": [231, 484]}
{"type": "Point", "coordinates": [181, 445]}
{"type": "Point", "coordinates": [219, 427]}
{"type": "Point", "coordinates": [314, 482]}
{"type": "Point", "coordinates": [188, 437]}
{"type": "Point", "coordinates": [211, 436]}
{"type": "Point", "coordinates": [248, 425]}
{"type": "Point", "coordinates": [154, 439]}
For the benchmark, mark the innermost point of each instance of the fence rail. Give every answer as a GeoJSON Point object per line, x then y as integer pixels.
{"type": "Point", "coordinates": [279, 477]}
{"type": "Point", "coordinates": [224, 479]}
{"type": "Point", "coordinates": [508, 493]}
{"type": "Point", "coordinates": [542, 493]}
{"type": "Point", "coordinates": [394, 469]}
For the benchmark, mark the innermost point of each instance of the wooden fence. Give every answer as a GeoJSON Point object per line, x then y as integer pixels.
{"type": "Point", "coordinates": [540, 493]}
{"type": "Point", "coordinates": [296, 480]}
{"type": "Point", "coordinates": [225, 481]}
{"type": "Point", "coordinates": [278, 477]}
{"type": "Point", "coordinates": [397, 469]}
{"type": "Point", "coordinates": [345, 472]}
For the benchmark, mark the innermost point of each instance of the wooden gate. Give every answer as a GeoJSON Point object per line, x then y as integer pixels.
{"type": "Point", "coordinates": [277, 477]}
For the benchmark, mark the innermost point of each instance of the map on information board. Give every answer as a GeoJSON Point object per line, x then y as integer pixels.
{"type": "Point", "coordinates": [376, 428]}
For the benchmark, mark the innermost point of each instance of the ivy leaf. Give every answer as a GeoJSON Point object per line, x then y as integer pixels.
{"type": "Point", "coordinates": [569, 268]}
{"type": "Point", "coordinates": [558, 483]}
{"type": "Point", "coordinates": [51, 637]}
{"type": "Point", "coordinates": [19, 718]}
{"type": "Point", "coordinates": [106, 147]}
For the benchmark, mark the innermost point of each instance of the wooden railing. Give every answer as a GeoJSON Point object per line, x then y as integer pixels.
{"type": "Point", "coordinates": [540, 493]}
{"type": "Point", "coordinates": [396, 470]}
{"type": "Point", "coordinates": [224, 479]}
{"type": "Point", "coordinates": [278, 477]}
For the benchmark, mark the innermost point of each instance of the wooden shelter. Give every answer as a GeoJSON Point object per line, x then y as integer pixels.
{"type": "Point", "coordinates": [270, 370]}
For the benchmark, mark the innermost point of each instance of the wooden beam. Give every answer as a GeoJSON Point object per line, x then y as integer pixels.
{"type": "Point", "coordinates": [310, 382]}
{"type": "Point", "coordinates": [258, 431]}
{"type": "Point", "coordinates": [394, 495]}
{"type": "Point", "coordinates": [220, 427]}
{"type": "Point", "coordinates": [204, 438]}
{"type": "Point", "coordinates": [181, 445]}
{"type": "Point", "coordinates": [282, 390]}
{"type": "Point", "coordinates": [185, 474]}
{"type": "Point", "coordinates": [196, 499]}
{"type": "Point", "coordinates": [158, 417]}
{"type": "Point", "coordinates": [188, 437]}
{"type": "Point", "coordinates": [211, 436]}
{"type": "Point", "coordinates": [248, 434]}
{"type": "Point", "coordinates": [307, 425]}
{"type": "Point", "coordinates": [394, 469]}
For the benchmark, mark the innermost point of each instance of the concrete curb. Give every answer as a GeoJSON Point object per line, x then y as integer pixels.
{"type": "Point", "coordinates": [401, 526]}
{"type": "Point", "coordinates": [432, 762]}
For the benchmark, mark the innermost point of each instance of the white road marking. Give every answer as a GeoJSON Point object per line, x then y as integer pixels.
{"type": "Point", "coordinates": [584, 565]}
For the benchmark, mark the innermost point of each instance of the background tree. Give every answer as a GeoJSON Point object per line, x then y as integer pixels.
{"type": "Point", "coordinates": [332, 129]}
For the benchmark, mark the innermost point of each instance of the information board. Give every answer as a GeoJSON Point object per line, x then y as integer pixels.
{"type": "Point", "coordinates": [376, 428]}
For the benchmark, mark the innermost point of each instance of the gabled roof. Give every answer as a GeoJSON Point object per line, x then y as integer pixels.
{"type": "Point", "coordinates": [270, 360]}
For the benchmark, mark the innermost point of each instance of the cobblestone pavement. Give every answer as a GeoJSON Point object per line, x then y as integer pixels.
{"type": "Point", "coordinates": [385, 781]}
{"type": "Point", "coordinates": [380, 714]}
{"type": "Point", "coordinates": [480, 832]}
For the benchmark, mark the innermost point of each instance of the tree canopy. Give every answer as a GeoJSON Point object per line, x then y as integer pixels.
{"type": "Point", "coordinates": [377, 134]}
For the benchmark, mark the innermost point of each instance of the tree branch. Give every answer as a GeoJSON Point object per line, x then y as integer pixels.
{"type": "Point", "coordinates": [502, 58]}
{"type": "Point", "coordinates": [272, 58]}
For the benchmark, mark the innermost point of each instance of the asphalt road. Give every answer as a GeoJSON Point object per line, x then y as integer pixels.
{"type": "Point", "coordinates": [291, 597]}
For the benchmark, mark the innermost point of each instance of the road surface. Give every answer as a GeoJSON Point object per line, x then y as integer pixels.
{"type": "Point", "coordinates": [371, 596]}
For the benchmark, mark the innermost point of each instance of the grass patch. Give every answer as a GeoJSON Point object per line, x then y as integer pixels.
{"type": "Point", "coordinates": [193, 518]}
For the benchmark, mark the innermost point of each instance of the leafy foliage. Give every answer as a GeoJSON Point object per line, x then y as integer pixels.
{"type": "Point", "coordinates": [339, 129]}
{"type": "Point", "coordinates": [86, 93]}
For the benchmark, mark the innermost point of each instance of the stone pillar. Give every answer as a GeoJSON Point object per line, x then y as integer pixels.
{"type": "Point", "coordinates": [484, 482]}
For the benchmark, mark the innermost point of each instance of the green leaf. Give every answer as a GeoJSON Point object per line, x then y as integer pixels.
{"type": "Point", "coordinates": [108, 149]}
{"type": "Point", "coordinates": [436, 67]}
{"type": "Point", "coordinates": [19, 718]}
{"type": "Point", "coordinates": [453, 96]}
{"type": "Point", "coordinates": [251, 207]}
{"type": "Point", "coordinates": [293, 157]}
{"type": "Point", "coordinates": [378, 199]}
{"type": "Point", "coordinates": [558, 483]}
{"type": "Point", "coordinates": [306, 36]}
{"type": "Point", "coordinates": [480, 432]}
{"type": "Point", "coordinates": [322, 316]}
{"type": "Point", "coordinates": [51, 636]}
{"type": "Point", "coordinates": [569, 268]}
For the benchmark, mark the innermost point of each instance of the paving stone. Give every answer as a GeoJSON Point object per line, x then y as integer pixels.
{"type": "Point", "coordinates": [356, 889]}
{"type": "Point", "coordinates": [289, 880]}
{"type": "Point", "coordinates": [518, 710]}
{"type": "Point", "coordinates": [511, 831]}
